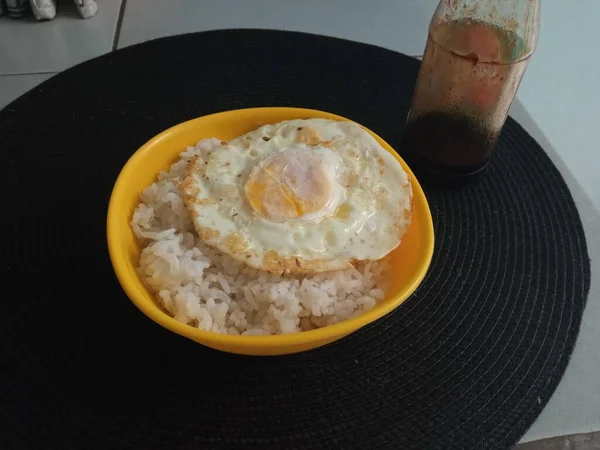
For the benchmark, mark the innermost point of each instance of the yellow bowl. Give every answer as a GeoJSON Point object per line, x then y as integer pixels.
{"type": "Point", "coordinates": [410, 260]}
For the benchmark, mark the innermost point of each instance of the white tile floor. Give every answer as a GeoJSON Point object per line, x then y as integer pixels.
{"type": "Point", "coordinates": [397, 25]}
{"type": "Point", "coordinates": [12, 86]}
{"type": "Point", "coordinates": [28, 46]}
{"type": "Point", "coordinates": [561, 89]}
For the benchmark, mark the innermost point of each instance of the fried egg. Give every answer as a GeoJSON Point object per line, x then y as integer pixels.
{"type": "Point", "coordinates": [300, 197]}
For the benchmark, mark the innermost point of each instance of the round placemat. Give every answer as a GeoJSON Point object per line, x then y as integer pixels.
{"type": "Point", "coordinates": [468, 362]}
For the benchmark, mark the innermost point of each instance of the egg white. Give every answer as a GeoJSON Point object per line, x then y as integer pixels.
{"type": "Point", "coordinates": [365, 218]}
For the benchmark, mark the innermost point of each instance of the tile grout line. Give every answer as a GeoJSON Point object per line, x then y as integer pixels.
{"type": "Point", "coordinates": [119, 24]}
{"type": "Point", "coordinates": [27, 73]}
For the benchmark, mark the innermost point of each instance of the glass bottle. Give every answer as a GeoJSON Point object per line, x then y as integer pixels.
{"type": "Point", "coordinates": [476, 54]}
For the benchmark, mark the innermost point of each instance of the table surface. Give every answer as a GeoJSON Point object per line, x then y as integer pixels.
{"type": "Point", "coordinates": [557, 103]}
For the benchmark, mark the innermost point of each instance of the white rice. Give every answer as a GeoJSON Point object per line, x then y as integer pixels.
{"type": "Point", "coordinates": [206, 289]}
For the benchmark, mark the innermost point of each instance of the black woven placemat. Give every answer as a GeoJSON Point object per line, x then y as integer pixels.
{"type": "Point", "coordinates": [467, 363]}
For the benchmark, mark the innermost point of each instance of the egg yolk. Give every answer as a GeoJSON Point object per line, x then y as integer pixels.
{"type": "Point", "coordinates": [288, 185]}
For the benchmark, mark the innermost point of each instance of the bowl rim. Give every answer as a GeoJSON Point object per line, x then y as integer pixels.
{"type": "Point", "coordinates": [120, 264]}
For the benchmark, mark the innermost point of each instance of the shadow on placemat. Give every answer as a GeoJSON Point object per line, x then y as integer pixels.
{"type": "Point", "coordinates": [590, 441]}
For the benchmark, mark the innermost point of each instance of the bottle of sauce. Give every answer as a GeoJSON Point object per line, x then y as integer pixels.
{"type": "Point", "coordinates": [476, 54]}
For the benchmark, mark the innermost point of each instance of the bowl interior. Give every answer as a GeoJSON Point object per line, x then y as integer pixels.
{"type": "Point", "coordinates": [410, 260]}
